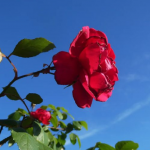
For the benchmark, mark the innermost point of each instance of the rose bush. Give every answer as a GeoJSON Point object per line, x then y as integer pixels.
{"type": "Point", "coordinates": [89, 67]}
{"type": "Point", "coordinates": [42, 115]}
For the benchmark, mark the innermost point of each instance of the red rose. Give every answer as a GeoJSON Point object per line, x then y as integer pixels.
{"type": "Point", "coordinates": [42, 115]}
{"type": "Point", "coordinates": [89, 66]}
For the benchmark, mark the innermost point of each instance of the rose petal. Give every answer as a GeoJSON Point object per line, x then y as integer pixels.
{"type": "Point", "coordinates": [95, 39]}
{"type": "Point", "coordinates": [91, 57]}
{"type": "Point", "coordinates": [84, 79]}
{"type": "Point", "coordinates": [111, 53]}
{"type": "Point", "coordinates": [94, 32]}
{"type": "Point", "coordinates": [112, 74]}
{"type": "Point", "coordinates": [77, 45]}
{"type": "Point", "coordinates": [33, 114]}
{"type": "Point", "coordinates": [106, 65]}
{"type": "Point", "coordinates": [104, 96]}
{"type": "Point", "coordinates": [98, 82]}
{"type": "Point", "coordinates": [67, 68]}
{"type": "Point", "coordinates": [44, 120]}
{"type": "Point", "coordinates": [81, 97]}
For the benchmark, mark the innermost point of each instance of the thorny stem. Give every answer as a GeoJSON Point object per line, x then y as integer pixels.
{"type": "Point", "coordinates": [45, 70]}
{"type": "Point", "coordinates": [26, 75]}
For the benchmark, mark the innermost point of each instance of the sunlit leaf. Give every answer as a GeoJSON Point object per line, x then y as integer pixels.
{"type": "Point", "coordinates": [15, 116]}
{"type": "Point", "coordinates": [103, 146]}
{"type": "Point", "coordinates": [39, 133]}
{"type": "Point", "coordinates": [54, 120]}
{"type": "Point", "coordinates": [77, 125]}
{"type": "Point", "coordinates": [22, 111]}
{"type": "Point", "coordinates": [32, 47]}
{"type": "Point", "coordinates": [84, 124]}
{"type": "Point", "coordinates": [126, 145]}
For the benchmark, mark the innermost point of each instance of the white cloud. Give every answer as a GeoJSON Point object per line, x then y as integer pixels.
{"type": "Point", "coordinates": [131, 110]}
{"type": "Point", "coordinates": [119, 118]}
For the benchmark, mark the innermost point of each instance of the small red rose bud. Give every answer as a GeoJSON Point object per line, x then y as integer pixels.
{"type": "Point", "coordinates": [42, 115]}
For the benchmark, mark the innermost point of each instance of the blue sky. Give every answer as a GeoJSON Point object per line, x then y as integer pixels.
{"type": "Point", "coordinates": [125, 116]}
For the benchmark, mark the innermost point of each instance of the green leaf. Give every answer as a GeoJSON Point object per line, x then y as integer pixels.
{"type": "Point", "coordinates": [79, 142]}
{"type": "Point", "coordinates": [44, 107]}
{"type": "Point", "coordinates": [126, 145]}
{"type": "Point", "coordinates": [58, 108]}
{"type": "Point", "coordinates": [52, 106]}
{"type": "Point", "coordinates": [70, 116]}
{"type": "Point", "coordinates": [84, 124]}
{"type": "Point", "coordinates": [24, 140]}
{"type": "Point", "coordinates": [59, 114]}
{"type": "Point", "coordinates": [12, 93]}
{"type": "Point", "coordinates": [62, 124]}
{"type": "Point", "coordinates": [64, 110]}
{"type": "Point", "coordinates": [15, 116]}
{"type": "Point", "coordinates": [26, 122]}
{"type": "Point", "coordinates": [77, 125]}
{"type": "Point", "coordinates": [64, 116]}
{"type": "Point", "coordinates": [22, 111]}
{"type": "Point", "coordinates": [55, 142]}
{"type": "Point", "coordinates": [61, 138]}
{"type": "Point", "coordinates": [69, 128]}
{"type": "Point", "coordinates": [39, 133]}
{"type": "Point", "coordinates": [104, 146]}
{"type": "Point", "coordinates": [54, 120]}
{"type": "Point", "coordinates": [73, 138]}
{"type": "Point", "coordinates": [30, 130]}
{"type": "Point", "coordinates": [32, 47]}
{"type": "Point", "coordinates": [43, 147]}
{"type": "Point", "coordinates": [34, 98]}
{"type": "Point", "coordinates": [49, 135]}
{"type": "Point", "coordinates": [9, 123]}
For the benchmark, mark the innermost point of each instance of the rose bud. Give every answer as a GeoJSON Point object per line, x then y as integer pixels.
{"type": "Point", "coordinates": [42, 115]}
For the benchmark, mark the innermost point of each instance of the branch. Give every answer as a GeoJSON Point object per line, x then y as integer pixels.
{"type": "Point", "coordinates": [15, 69]}
{"type": "Point", "coordinates": [44, 71]}
{"type": "Point", "coordinates": [20, 99]}
{"type": "Point", "coordinates": [1, 129]}
{"type": "Point", "coordinates": [5, 140]}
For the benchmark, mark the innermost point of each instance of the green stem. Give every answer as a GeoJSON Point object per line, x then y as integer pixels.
{"type": "Point", "coordinates": [20, 99]}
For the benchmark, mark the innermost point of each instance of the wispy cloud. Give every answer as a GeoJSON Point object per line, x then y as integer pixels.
{"type": "Point", "coordinates": [134, 77]}
{"type": "Point", "coordinates": [119, 118]}
{"type": "Point", "coordinates": [91, 133]}
{"type": "Point", "coordinates": [131, 110]}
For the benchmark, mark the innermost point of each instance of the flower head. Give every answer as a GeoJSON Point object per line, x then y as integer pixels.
{"type": "Point", "coordinates": [42, 115]}
{"type": "Point", "coordinates": [89, 66]}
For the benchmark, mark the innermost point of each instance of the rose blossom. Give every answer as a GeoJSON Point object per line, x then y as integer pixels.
{"type": "Point", "coordinates": [89, 67]}
{"type": "Point", "coordinates": [42, 115]}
